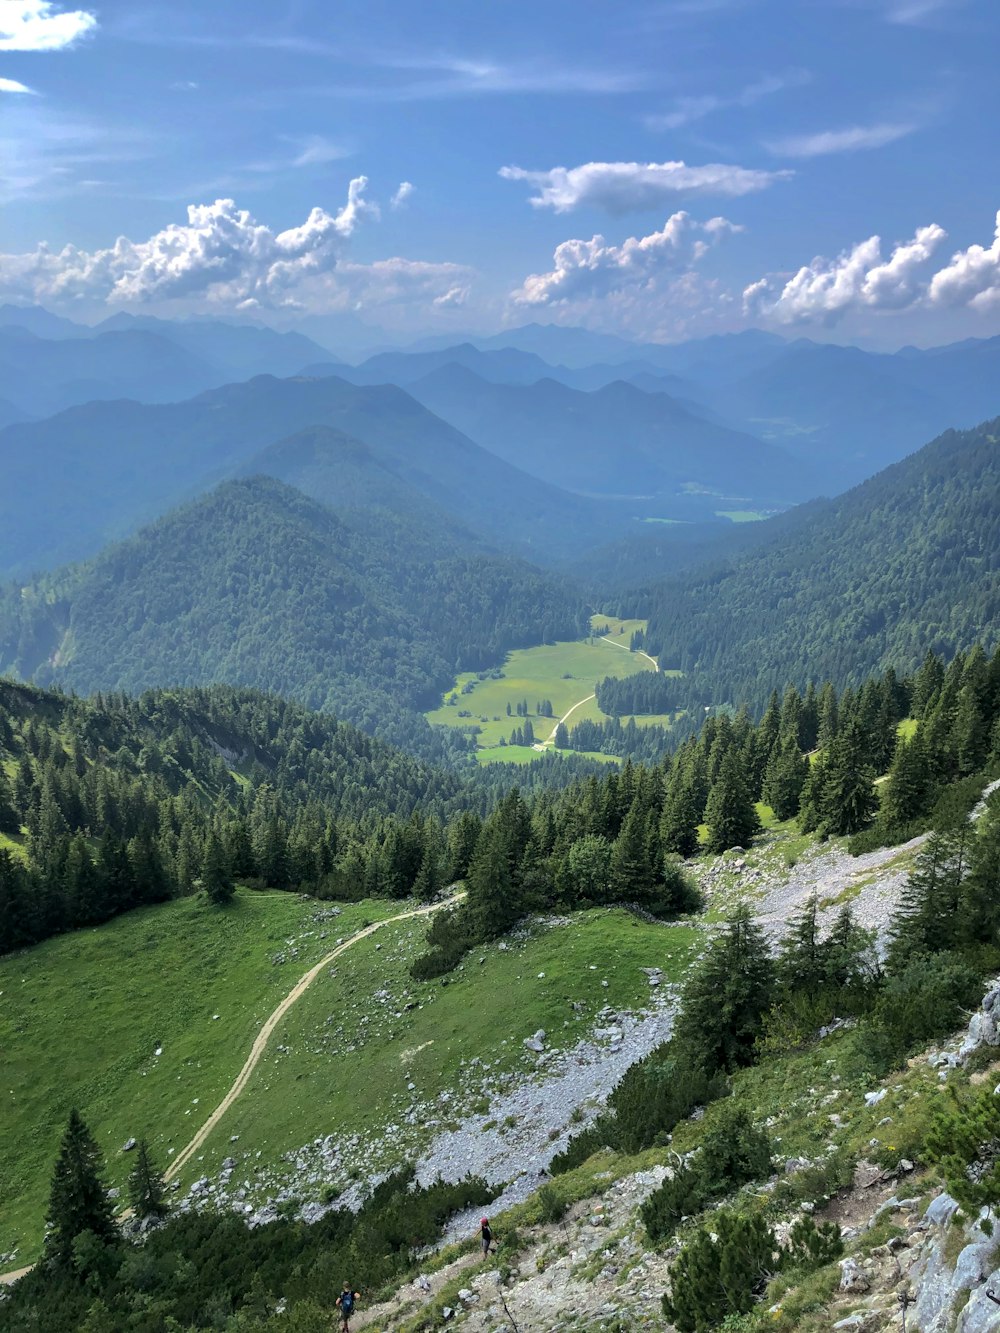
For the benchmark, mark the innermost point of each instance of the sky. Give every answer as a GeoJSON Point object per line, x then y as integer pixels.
{"type": "Point", "coordinates": [660, 169]}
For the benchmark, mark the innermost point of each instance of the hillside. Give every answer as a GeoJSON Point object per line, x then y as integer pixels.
{"type": "Point", "coordinates": [94, 473]}
{"type": "Point", "coordinates": [258, 585]}
{"type": "Point", "coordinates": [615, 441]}
{"type": "Point", "coordinates": [46, 375]}
{"type": "Point", "coordinates": [905, 563]}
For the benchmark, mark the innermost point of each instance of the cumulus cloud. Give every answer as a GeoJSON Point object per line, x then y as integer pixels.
{"type": "Point", "coordinates": [37, 25]}
{"type": "Point", "coordinates": [403, 192]}
{"type": "Point", "coordinates": [971, 278]}
{"type": "Point", "coordinates": [625, 187]}
{"type": "Point", "coordinates": [223, 258]}
{"type": "Point", "coordinates": [12, 86]}
{"type": "Point", "coordinates": [850, 140]}
{"type": "Point", "coordinates": [859, 278]}
{"type": "Point", "coordinates": [588, 269]}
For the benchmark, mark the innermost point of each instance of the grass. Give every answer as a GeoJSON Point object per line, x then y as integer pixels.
{"type": "Point", "coordinates": [524, 754]}
{"type": "Point", "coordinates": [563, 673]}
{"type": "Point", "coordinates": [357, 1020]}
{"type": "Point", "coordinates": [741, 515]}
{"type": "Point", "coordinates": [81, 1016]}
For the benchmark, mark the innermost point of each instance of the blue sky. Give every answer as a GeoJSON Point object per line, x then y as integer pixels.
{"type": "Point", "coordinates": [657, 168]}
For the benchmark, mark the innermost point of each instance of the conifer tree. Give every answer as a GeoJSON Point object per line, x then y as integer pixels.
{"type": "Point", "coordinates": [216, 879]}
{"type": "Point", "coordinates": [849, 800]}
{"type": "Point", "coordinates": [145, 1185]}
{"type": "Point", "coordinates": [10, 820]}
{"type": "Point", "coordinates": [801, 964]}
{"type": "Point", "coordinates": [784, 778]}
{"type": "Point", "coordinates": [730, 814]}
{"type": "Point", "coordinates": [78, 1201]}
{"type": "Point", "coordinates": [907, 790]}
{"type": "Point", "coordinates": [726, 997]}
{"type": "Point", "coordinates": [719, 1272]}
{"type": "Point", "coordinates": [681, 816]}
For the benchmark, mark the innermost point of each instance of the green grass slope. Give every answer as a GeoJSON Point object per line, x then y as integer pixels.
{"type": "Point", "coordinates": [82, 1016]}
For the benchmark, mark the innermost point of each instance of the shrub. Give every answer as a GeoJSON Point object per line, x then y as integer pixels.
{"type": "Point", "coordinates": [924, 1001]}
{"type": "Point", "coordinates": [720, 1272]}
{"type": "Point", "coordinates": [811, 1246]}
{"type": "Point", "coordinates": [580, 1147]}
{"type": "Point", "coordinates": [551, 1208]}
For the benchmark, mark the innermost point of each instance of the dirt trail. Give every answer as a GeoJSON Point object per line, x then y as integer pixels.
{"type": "Point", "coordinates": [266, 1032]}
{"type": "Point", "coordinates": [626, 649]}
{"type": "Point", "coordinates": [261, 1040]}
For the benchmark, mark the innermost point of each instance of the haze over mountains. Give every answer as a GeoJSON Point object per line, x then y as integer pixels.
{"type": "Point", "coordinates": [355, 535]}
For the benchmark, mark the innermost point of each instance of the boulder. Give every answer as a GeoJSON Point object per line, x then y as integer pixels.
{"type": "Point", "coordinates": [941, 1210]}
{"type": "Point", "coordinates": [128, 1145]}
{"type": "Point", "coordinates": [537, 1042]}
{"type": "Point", "coordinates": [853, 1277]}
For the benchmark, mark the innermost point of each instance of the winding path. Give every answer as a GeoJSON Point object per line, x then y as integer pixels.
{"type": "Point", "coordinates": [267, 1031]}
{"type": "Point", "coordinates": [550, 739]}
{"type": "Point", "coordinates": [263, 1037]}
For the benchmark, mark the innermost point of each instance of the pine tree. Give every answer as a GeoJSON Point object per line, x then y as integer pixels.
{"type": "Point", "coordinates": [145, 1185]}
{"type": "Point", "coordinates": [78, 1201]}
{"type": "Point", "coordinates": [561, 737]}
{"type": "Point", "coordinates": [720, 1272]}
{"type": "Point", "coordinates": [801, 964]}
{"type": "Point", "coordinates": [10, 820]}
{"type": "Point", "coordinates": [784, 779]}
{"type": "Point", "coordinates": [726, 997]}
{"type": "Point", "coordinates": [849, 800]}
{"type": "Point", "coordinates": [907, 790]}
{"type": "Point", "coordinates": [730, 814]}
{"type": "Point", "coordinates": [216, 879]}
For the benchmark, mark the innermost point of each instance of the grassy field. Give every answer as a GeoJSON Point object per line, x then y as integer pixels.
{"type": "Point", "coordinates": [565, 674]}
{"type": "Point", "coordinates": [741, 515]}
{"type": "Point", "coordinates": [82, 1014]}
{"type": "Point", "coordinates": [350, 1049]}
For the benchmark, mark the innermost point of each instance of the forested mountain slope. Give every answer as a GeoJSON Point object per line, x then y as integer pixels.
{"type": "Point", "coordinates": [617, 440]}
{"type": "Point", "coordinates": [92, 474]}
{"type": "Point", "coordinates": [905, 563]}
{"type": "Point", "coordinates": [257, 585]}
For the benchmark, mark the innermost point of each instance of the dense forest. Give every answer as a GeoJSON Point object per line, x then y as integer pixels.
{"type": "Point", "coordinates": [622, 836]}
{"type": "Point", "coordinates": [114, 803]}
{"type": "Point", "coordinates": [904, 563]}
{"type": "Point", "coordinates": [257, 585]}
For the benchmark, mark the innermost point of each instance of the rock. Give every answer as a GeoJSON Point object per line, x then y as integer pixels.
{"type": "Point", "coordinates": [128, 1145]}
{"type": "Point", "coordinates": [941, 1210]}
{"type": "Point", "coordinates": [796, 1164]}
{"type": "Point", "coordinates": [873, 1098]}
{"type": "Point", "coordinates": [852, 1321]}
{"type": "Point", "coordinates": [537, 1042]}
{"type": "Point", "coordinates": [467, 1296]}
{"type": "Point", "coordinates": [905, 1164]}
{"type": "Point", "coordinates": [229, 1164]}
{"type": "Point", "coordinates": [853, 1277]}
{"type": "Point", "coordinates": [447, 1312]}
{"type": "Point", "coordinates": [422, 1283]}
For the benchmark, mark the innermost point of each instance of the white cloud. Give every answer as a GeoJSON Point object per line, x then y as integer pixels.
{"type": "Point", "coordinates": [315, 150]}
{"type": "Point", "coordinates": [688, 109]}
{"type": "Point", "coordinates": [624, 187]}
{"type": "Point", "coordinates": [825, 290]}
{"type": "Point", "coordinates": [972, 277]}
{"type": "Point", "coordinates": [37, 25]}
{"type": "Point", "coordinates": [588, 269]}
{"type": "Point", "coordinates": [12, 86]}
{"type": "Point", "coordinates": [850, 140]}
{"type": "Point", "coordinates": [223, 258]}
{"type": "Point", "coordinates": [918, 12]}
{"type": "Point", "coordinates": [403, 192]}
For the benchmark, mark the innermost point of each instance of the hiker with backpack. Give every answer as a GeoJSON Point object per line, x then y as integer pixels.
{"type": "Point", "coordinates": [345, 1302]}
{"type": "Point", "coordinates": [485, 1235]}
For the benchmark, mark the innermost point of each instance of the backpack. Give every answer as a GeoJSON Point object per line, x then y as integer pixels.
{"type": "Point", "coordinates": [347, 1301]}
{"type": "Point", "coordinates": [487, 1232]}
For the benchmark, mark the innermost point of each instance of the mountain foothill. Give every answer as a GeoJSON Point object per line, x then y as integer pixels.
{"type": "Point", "coordinates": [187, 502]}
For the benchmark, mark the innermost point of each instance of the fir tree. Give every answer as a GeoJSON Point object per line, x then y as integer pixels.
{"type": "Point", "coordinates": [10, 820]}
{"type": "Point", "coordinates": [78, 1201]}
{"type": "Point", "coordinates": [726, 997]}
{"type": "Point", "coordinates": [784, 779]}
{"type": "Point", "coordinates": [849, 800]}
{"type": "Point", "coordinates": [730, 814]}
{"type": "Point", "coordinates": [145, 1185]}
{"type": "Point", "coordinates": [216, 879]}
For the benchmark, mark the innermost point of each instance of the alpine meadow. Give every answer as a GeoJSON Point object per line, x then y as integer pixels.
{"type": "Point", "coordinates": [499, 667]}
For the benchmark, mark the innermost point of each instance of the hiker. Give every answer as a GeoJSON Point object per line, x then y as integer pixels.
{"type": "Point", "coordinates": [346, 1301]}
{"type": "Point", "coordinates": [485, 1236]}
